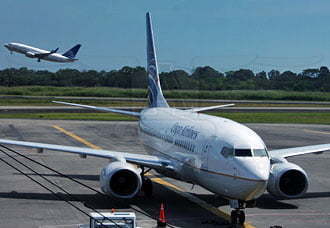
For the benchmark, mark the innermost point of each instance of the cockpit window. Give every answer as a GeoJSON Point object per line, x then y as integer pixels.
{"type": "Point", "coordinates": [243, 153]}
{"type": "Point", "coordinates": [260, 152]}
{"type": "Point", "coordinates": [227, 151]}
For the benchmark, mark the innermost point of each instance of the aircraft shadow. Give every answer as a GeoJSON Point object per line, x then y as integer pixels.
{"type": "Point", "coordinates": [309, 195]}
{"type": "Point", "coordinates": [267, 201]}
{"type": "Point", "coordinates": [214, 200]}
{"type": "Point", "coordinates": [74, 176]}
{"type": "Point", "coordinates": [264, 202]}
{"type": "Point", "coordinates": [177, 207]}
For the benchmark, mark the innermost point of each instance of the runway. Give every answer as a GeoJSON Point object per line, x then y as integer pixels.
{"type": "Point", "coordinates": [69, 109]}
{"type": "Point", "coordinates": [25, 204]}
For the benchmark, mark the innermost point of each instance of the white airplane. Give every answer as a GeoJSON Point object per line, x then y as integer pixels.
{"type": "Point", "coordinates": [223, 156]}
{"type": "Point", "coordinates": [53, 56]}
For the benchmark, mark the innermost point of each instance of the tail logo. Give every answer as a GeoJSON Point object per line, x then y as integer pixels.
{"type": "Point", "coordinates": [152, 91]}
{"type": "Point", "coordinates": [152, 70]}
{"type": "Point", "coordinates": [72, 52]}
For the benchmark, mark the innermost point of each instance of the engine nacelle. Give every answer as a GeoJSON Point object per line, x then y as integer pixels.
{"type": "Point", "coordinates": [287, 180]}
{"type": "Point", "coordinates": [121, 180]}
{"type": "Point", "coordinates": [30, 54]}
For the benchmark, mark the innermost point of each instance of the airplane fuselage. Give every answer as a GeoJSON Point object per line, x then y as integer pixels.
{"type": "Point", "coordinates": [219, 154]}
{"type": "Point", "coordinates": [29, 51]}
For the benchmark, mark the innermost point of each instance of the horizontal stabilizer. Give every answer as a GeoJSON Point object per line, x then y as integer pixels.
{"type": "Point", "coordinates": [201, 109]}
{"type": "Point", "coordinates": [104, 109]}
{"type": "Point", "coordinates": [54, 51]}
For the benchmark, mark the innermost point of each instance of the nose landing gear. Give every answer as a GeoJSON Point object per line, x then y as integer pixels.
{"type": "Point", "coordinates": [238, 214]}
{"type": "Point", "coordinates": [237, 217]}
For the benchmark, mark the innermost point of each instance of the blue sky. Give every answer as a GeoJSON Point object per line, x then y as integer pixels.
{"type": "Point", "coordinates": [227, 34]}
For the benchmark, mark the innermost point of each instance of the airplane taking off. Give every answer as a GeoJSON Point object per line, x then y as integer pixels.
{"type": "Point", "coordinates": [53, 56]}
{"type": "Point", "coordinates": [223, 156]}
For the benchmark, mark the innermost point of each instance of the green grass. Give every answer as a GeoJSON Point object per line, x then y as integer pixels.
{"type": "Point", "coordinates": [72, 91]}
{"type": "Point", "coordinates": [277, 117]}
{"type": "Point", "coordinates": [242, 117]}
{"type": "Point", "coordinates": [187, 94]}
{"type": "Point", "coordinates": [9, 101]}
{"type": "Point", "coordinates": [68, 116]}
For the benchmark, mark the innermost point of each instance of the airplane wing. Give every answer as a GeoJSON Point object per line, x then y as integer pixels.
{"type": "Point", "coordinates": [138, 159]}
{"type": "Point", "coordinates": [105, 109]}
{"type": "Point", "coordinates": [208, 108]}
{"type": "Point", "coordinates": [289, 152]}
{"type": "Point", "coordinates": [42, 55]}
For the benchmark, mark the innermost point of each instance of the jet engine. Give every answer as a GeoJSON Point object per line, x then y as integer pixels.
{"type": "Point", "coordinates": [30, 54]}
{"type": "Point", "coordinates": [121, 180]}
{"type": "Point", "coordinates": [287, 180]}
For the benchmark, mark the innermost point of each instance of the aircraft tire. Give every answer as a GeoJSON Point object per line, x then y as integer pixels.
{"type": "Point", "coordinates": [241, 217]}
{"type": "Point", "coordinates": [234, 217]}
{"type": "Point", "coordinates": [237, 217]}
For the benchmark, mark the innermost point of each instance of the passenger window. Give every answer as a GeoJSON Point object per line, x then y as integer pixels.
{"type": "Point", "coordinates": [260, 153]}
{"type": "Point", "coordinates": [243, 153]}
{"type": "Point", "coordinates": [227, 151]}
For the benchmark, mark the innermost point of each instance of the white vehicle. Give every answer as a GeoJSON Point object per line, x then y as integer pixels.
{"type": "Point", "coordinates": [219, 154]}
{"type": "Point", "coordinates": [53, 56]}
{"type": "Point", "coordinates": [112, 220]}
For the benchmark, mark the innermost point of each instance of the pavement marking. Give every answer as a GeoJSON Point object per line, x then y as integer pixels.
{"type": "Point", "coordinates": [163, 182]}
{"type": "Point", "coordinates": [317, 132]}
{"type": "Point", "coordinates": [76, 137]}
{"type": "Point", "coordinates": [218, 212]}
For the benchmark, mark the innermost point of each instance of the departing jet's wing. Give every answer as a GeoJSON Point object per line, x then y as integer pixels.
{"type": "Point", "coordinates": [138, 159]}
{"type": "Point", "coordinates": [201, 109]}
{"type": "Point", "coordinates": [289, 152]}
{"type": "Point", "coordinates": [43, 55]}
{"type": "Point", "coordinates": [105, 109]}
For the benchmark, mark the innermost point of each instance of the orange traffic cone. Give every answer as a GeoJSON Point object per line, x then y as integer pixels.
{"type": "Point", "coordinates": [162, 220]}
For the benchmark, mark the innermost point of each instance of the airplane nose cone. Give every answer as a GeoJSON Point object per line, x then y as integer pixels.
{"type": "Point", "coordinates": [261, 175]}
{"type": "Point", "coordinates": [261, 170]}
{"type": "Point", "coordinates": [256, 168]}
{"type": "Point", "coordinates": [6, 45]}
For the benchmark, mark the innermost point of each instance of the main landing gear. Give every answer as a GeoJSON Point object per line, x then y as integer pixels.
{"type": "Point", "coordinates": [237, 215]}
{"type": "Point", "coordinates": [146, 183]}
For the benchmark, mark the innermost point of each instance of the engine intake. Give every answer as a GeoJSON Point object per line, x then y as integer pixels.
{"type": "Point", "coordinates": [120, 179]}
{"type": "Point", "coordinates": [287, 180]}
{"type": "Point", "coordinates": [30, 54]}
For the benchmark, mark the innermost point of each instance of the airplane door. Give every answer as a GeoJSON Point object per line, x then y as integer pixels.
{"type": "Point", "coordinates": [207, 148]}
{"type": "Point", "coordinates": [227, 162]}
{"type": "Point", "coordinates": [205, 155]}
{"type": "Point", "coordinates": [231, 166]}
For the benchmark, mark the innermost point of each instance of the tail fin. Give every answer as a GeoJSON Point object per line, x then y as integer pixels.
{"type": "Point", "coordinates": [155, 94]}
{"type": "Point", "coordinates": [72, 52]}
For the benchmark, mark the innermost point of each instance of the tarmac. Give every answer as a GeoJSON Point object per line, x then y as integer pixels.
{"type": "Point", "coordinates": [23, 203]}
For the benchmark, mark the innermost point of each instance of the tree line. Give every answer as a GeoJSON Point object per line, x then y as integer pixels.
{"type": "Point", "coordinates": [202, 78]}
